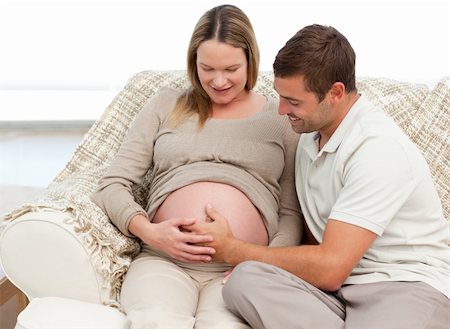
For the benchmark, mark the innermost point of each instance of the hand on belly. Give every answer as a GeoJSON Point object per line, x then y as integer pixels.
{"type": "Point", "coordinates": [190, 201]}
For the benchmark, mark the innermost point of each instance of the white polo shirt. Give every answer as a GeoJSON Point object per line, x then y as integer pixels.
{"type": "Point", "coordinates": [371, 175]}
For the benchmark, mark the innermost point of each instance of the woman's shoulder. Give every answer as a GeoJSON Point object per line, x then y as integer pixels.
{"type": "Point", "coordinates": [272, 102]}
{"type": "Point", "coordinates": [169, 93]}
{"type": "Point", "coordinates": [271, 106]}
{"type": "Point", "coordinates": [163, 100]}
{"type": "Point", "coordinates": [276, 119]}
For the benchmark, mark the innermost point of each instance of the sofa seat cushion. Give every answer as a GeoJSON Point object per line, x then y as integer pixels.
{"type": "Point", "coordinates": [62, 313]}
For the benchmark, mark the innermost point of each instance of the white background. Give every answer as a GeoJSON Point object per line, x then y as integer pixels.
{"type": "Point", "coordinates": [66, 59]}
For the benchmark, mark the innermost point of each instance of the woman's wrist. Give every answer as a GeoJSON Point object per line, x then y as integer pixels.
{"type": "Point", "coordinates": [139, 225]}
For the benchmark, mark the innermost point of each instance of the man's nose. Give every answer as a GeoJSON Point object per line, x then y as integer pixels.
{"type": "Point", "coordinates": [283, 109]}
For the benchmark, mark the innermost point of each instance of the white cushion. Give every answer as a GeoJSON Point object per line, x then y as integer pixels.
{"type": "Point", "coordinates": [62, 313]}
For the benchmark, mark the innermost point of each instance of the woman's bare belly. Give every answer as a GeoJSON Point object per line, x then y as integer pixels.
{"type": "Point", "coordinates": [190, 201]}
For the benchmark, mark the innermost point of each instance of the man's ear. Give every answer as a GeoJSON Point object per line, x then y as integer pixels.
{"type": "Point", "coordinates": [337, 92]}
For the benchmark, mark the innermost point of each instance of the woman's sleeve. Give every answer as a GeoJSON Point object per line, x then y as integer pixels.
{"type": "Point", "coordinates": [290, 220]}
{"type": "Point", "coordinates": [128, 168]}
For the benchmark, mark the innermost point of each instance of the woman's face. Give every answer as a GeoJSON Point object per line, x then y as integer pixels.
{"type": "Point", "coordinates": [222, 71]}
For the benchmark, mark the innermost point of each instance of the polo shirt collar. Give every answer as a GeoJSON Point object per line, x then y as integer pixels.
{"type": "Point", "coordinates": [311, 140]}
{"type": "Point", "coordinates": [358, 109]}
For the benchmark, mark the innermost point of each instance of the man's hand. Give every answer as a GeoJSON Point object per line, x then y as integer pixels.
{"type": "Point", "coordinates": [216, 226]}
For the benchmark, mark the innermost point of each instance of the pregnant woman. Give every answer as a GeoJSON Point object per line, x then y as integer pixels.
{"type": "Point", "coordinates": [217, 143]}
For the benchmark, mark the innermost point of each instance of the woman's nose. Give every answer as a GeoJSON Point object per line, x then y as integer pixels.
{"type": "Point", "coordinates": [219, 79]}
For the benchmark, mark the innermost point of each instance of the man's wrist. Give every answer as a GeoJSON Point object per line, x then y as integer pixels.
{"type": "Point", "coordinates": [234, 252]}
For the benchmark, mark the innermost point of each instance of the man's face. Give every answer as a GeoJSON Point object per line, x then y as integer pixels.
{"type": "Point", "coordinates": [305, 112]}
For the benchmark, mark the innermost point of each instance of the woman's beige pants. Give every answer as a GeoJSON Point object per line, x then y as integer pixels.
{"type": "Point", "coordinates": [161, 293]}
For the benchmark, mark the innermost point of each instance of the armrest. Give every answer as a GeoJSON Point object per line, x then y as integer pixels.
{"type": "Point", "coordinates": [43, 256]}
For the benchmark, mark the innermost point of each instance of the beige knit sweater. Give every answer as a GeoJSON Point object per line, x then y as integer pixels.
{"type": "Point", "coordinates": [254, 154]}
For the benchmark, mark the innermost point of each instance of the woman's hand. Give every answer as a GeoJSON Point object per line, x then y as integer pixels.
{"type": "Point", "coordinates": [172, 237]}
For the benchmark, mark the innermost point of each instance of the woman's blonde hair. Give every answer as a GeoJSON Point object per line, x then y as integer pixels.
{"type": "Point", "coordinates": [228, 24]}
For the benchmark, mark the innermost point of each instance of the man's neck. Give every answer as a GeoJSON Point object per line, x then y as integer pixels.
{"type": "Point", "coordinates": [342, 110]}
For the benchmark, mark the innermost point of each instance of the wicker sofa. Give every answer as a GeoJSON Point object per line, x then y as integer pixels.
{"type": "Point", "coordinates": [67, 257]}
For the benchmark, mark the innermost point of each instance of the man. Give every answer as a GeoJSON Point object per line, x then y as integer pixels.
{"type": "Point", "coordinates": [376, 250]}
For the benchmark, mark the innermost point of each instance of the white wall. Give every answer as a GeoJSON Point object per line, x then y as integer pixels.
{"type": "Point", "coordinates": [66, 59]}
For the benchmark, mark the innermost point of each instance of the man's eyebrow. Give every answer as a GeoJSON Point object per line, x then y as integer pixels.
{"type": "Point", "coordinates": [285, 97]}
{"type": "Point", "coordinates": [290, 98]}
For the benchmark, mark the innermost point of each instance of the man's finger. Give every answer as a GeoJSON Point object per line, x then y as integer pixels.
{"type": "Point", "coordinates": [212, 213]}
